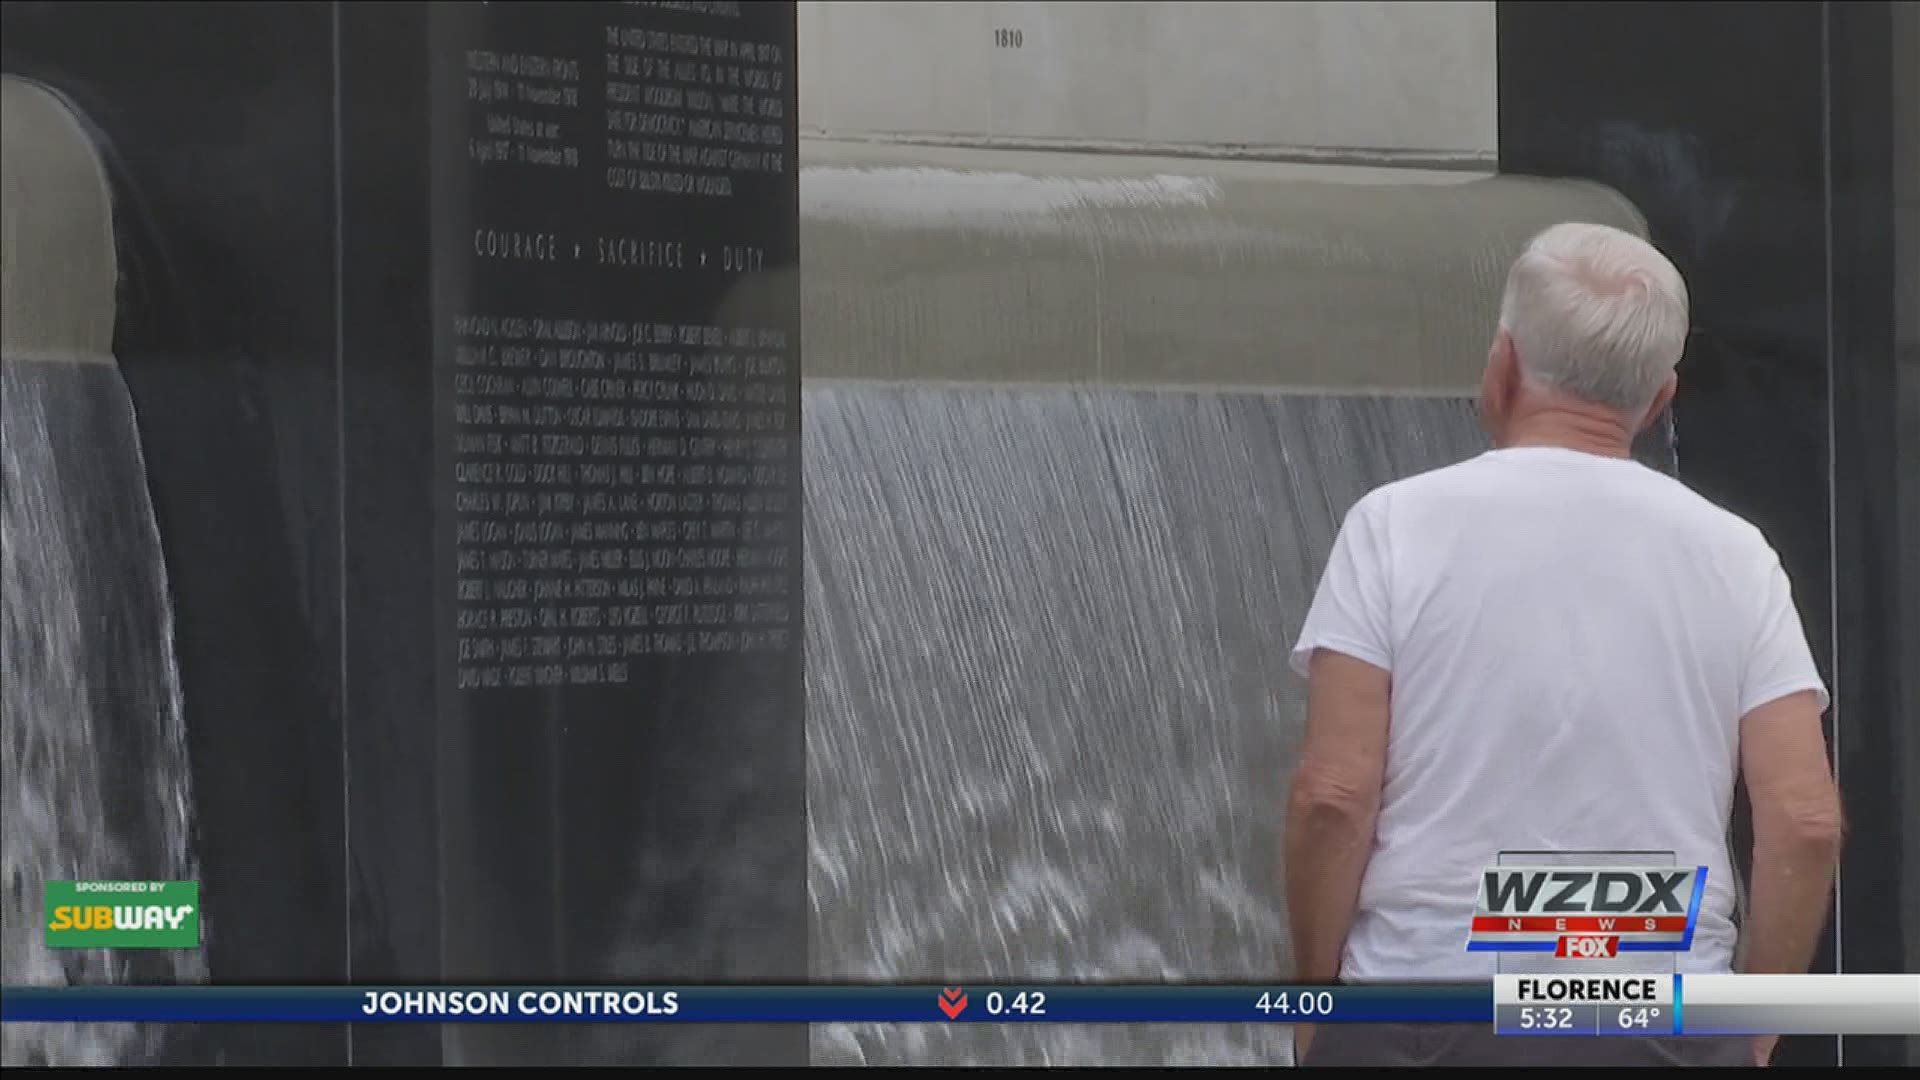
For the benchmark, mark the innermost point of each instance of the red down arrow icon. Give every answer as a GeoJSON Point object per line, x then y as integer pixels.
{"type": "Point", "coordinates": [953, 1001]}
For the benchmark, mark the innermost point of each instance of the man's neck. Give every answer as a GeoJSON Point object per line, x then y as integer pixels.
{"type": "Point", "coordinates": [1584, 429]}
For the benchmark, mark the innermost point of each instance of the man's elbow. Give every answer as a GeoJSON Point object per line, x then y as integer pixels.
{"type": "Point", "coordinates": [1331, 795]}
{"type": "Point", "coordinates": [1814, 831]}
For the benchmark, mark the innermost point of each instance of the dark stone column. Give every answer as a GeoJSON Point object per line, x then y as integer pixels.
{"type": "Point", "coordinates": [615, 235]}
{"type": "Point", "coordinates": [1872, 48]}
{"type": "Point", "coordinates": [1905, 402]}
{"type": "Point", "coordinates": [387, 552]}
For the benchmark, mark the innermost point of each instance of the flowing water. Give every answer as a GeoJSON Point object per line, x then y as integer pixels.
{"type": "Point", "coordinates": [93, 757]}
{"type": "Point", "coordinates": [1049, 713]}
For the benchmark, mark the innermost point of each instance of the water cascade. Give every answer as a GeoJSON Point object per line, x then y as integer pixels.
{"type": "Point", "coordinates": [93, 762]}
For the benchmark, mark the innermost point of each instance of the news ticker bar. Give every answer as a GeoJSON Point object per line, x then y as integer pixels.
{"type": "Point", "coordinates": [1514, 1004]}
{"type": "Point", "coordinates": [754, 1004]}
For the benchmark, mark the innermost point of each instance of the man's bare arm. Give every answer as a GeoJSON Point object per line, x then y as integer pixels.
{"type": "Point", "coordinates": [1332, 807]}
{"type": "Point", "coordinates": [1796, 833]}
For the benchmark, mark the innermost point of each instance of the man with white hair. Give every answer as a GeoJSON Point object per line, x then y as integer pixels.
{"type": "Point", "coordinates": [1551, 647]}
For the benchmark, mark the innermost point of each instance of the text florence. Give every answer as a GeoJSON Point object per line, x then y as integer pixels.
{"type": "Point", "coordinates": [522, 1003]}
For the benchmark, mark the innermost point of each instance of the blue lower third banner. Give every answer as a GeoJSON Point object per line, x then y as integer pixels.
{"type": "Point", "coordinates": [752, 1004]}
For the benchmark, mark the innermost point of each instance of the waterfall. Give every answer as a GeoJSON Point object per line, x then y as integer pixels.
{"type": "Point", "coordinates": [93, 756]}
{"type": "Point", "coordinates": [1049, 716]}
{"type": "Point", "coordinates": [94, 780]}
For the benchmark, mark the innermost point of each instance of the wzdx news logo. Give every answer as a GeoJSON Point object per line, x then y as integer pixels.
{"type": "Point", "coordinates": [1586, 912]}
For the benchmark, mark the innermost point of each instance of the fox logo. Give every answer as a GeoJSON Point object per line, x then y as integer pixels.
{"type": "Point", "coordinates": [1588, 946]}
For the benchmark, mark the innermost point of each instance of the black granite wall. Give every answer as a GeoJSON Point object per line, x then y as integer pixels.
{"type": "Point", "coordinates": [344, 227]}
{"type": "Point", "coordinates": [1906, 478]}
{"type": "Point", "coordinates": [1877, 743]}
{"type": "Point", "coordinates": [387, 543]}
{"type": "Point", "coordinates": [1755, 138]}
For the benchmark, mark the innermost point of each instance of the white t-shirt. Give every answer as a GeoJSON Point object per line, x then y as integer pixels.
{"type": "Point", "coordinates": [1573, 640]}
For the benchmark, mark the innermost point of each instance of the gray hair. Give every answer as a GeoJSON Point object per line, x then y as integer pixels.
{"type": "Point", "coordinates": [1596, 313]}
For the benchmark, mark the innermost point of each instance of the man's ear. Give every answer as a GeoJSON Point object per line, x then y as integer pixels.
{"type": "Point", "coordinates": [1497, 385]}
{"type": "Point", "coordinates": [1661, 399]}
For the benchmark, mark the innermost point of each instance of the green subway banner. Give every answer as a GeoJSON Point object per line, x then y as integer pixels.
{"type": "Point", "coordinates": [123, 914]}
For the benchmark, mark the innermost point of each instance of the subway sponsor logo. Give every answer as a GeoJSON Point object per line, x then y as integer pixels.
{"type": "Point", "coordinates": [123, 914]}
